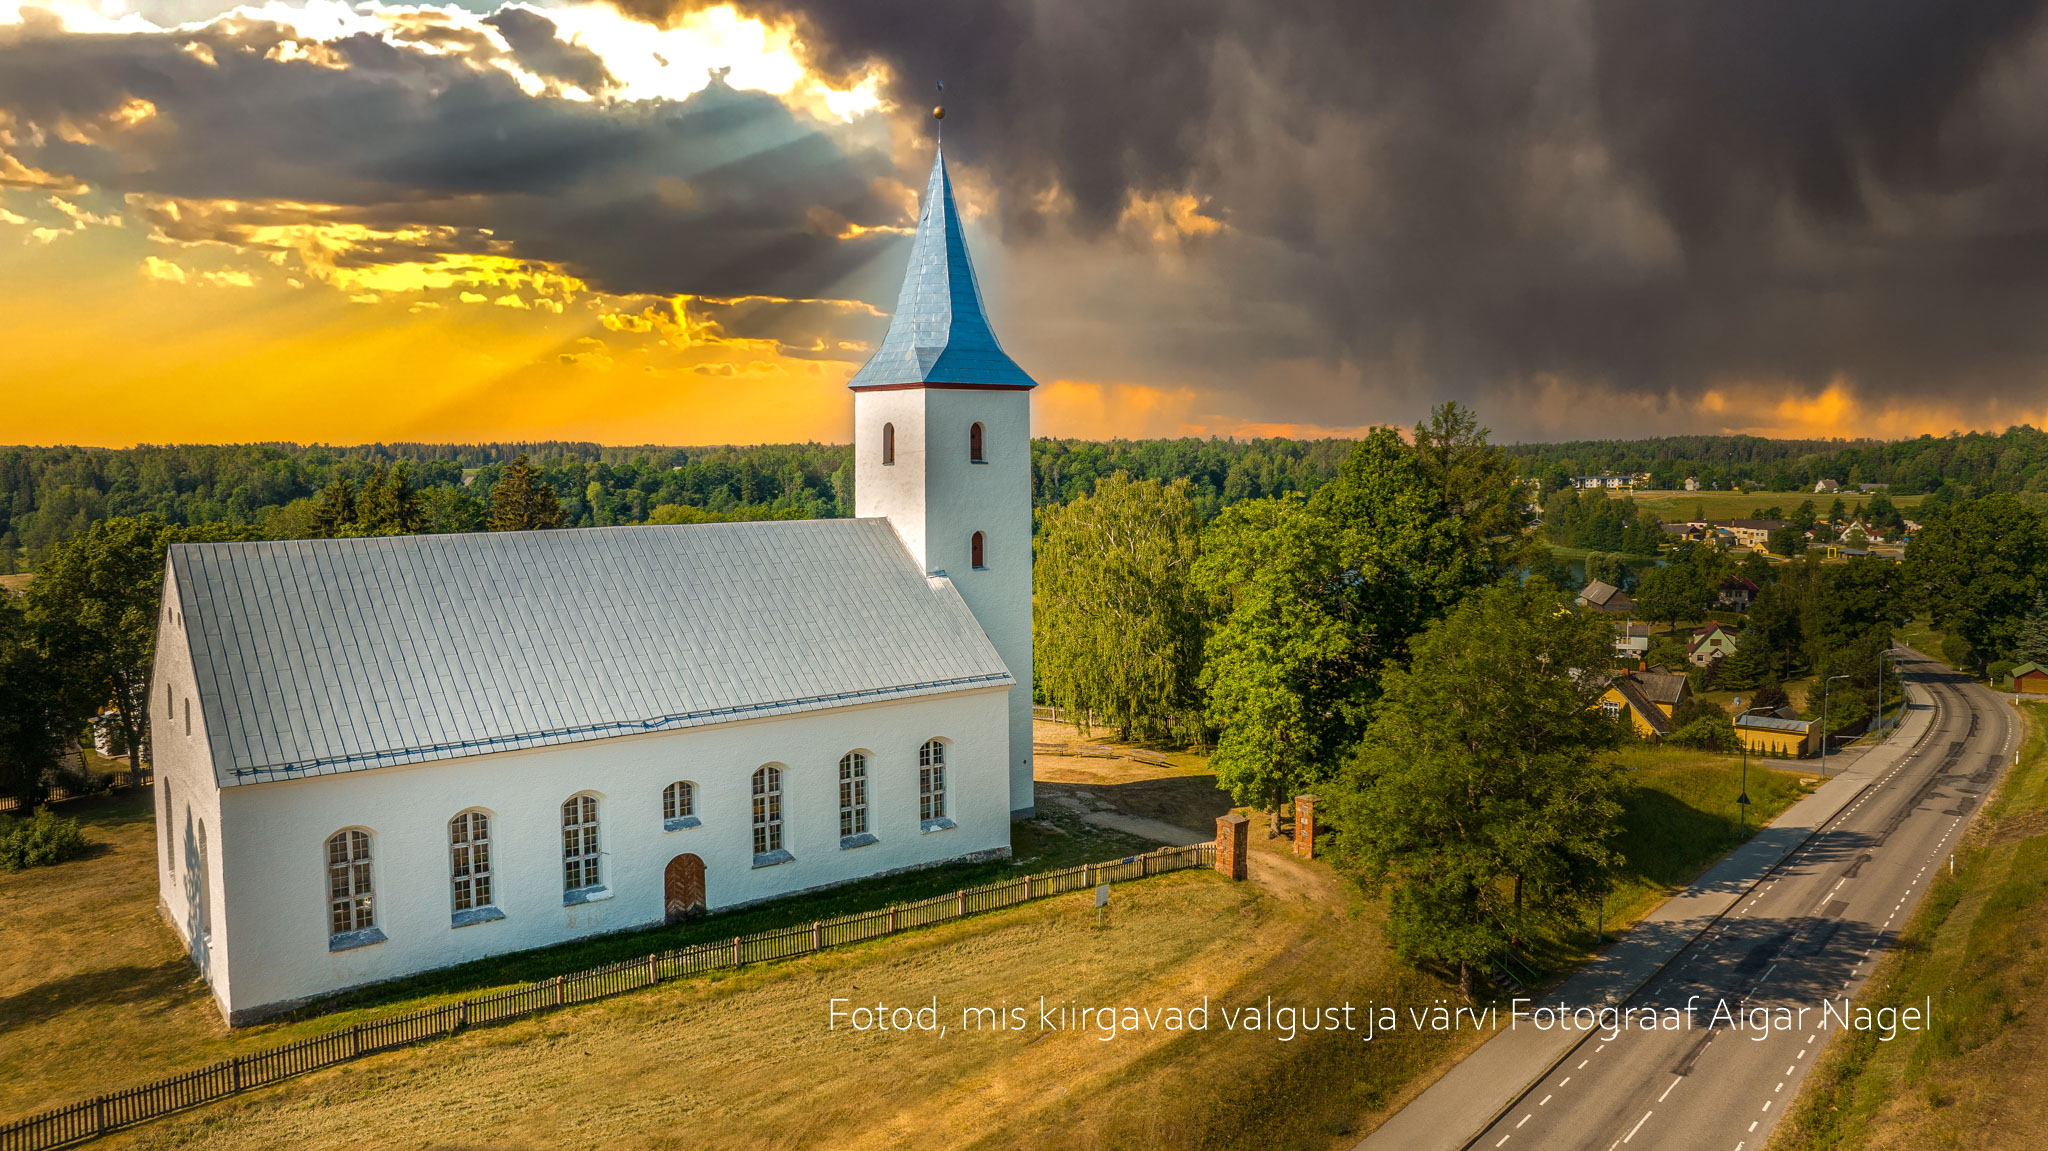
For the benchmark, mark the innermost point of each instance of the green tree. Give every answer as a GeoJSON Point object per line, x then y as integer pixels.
{"type": "Point", "coordinates": [1118, 625]}
{"type": "Point", "coordinates": [1287, 674]}
{"type": "Point", "coordinates": [1788, 541]}
{"type": "Point", "coordinates": [450, 508]}
{"type": "Point", "coordinates": [1479, 798]}
{"type": "Point", "coordinates": [2030, 642]}
{"type": "Point", "coordinates": [523, 501]}
{"type": "Point", "coordinates": [1477, 482]}
{"type": "Point", "coordinates": [389, 505]}
{"type": "Point", "coordinates": [95, 604]}
{"type": "Point", "coordinates": [335, 511]}
{"type": "Point", "coordinates": [1977, 568]}
{"type": "Point", "coordinates": [33, 712]}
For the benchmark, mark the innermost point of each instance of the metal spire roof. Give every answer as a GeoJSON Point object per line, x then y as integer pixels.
{"type": "Point", "coordinates": [940, 334]}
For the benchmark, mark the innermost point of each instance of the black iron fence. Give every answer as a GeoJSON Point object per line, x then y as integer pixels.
{"type": "Point", "coordinates": [116, 1109]}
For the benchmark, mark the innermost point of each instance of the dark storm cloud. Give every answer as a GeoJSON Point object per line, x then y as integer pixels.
{"type": "Point", "coordinates": [1465, 192]}
{"type": "Point", "coordinates": [536, 44]}
{"type": "Point", "coordinates": [716, 194]}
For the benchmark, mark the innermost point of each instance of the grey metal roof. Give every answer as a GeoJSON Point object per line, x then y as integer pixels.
{"type": "Point", "coordinates": [940, 333]}
{"type": "Point", "coordinates": [320, 656]}
{"type": "Point", "coordinates": [1775, 723]}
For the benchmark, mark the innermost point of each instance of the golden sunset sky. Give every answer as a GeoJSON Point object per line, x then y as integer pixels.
{"type": "Point", "coordinates": [316, 222]}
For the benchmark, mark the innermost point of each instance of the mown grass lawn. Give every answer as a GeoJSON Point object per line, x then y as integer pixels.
{"type": "Point", "coordinates": [1672, 507]}
{"type": "Point", "coordinates": [96, 988]}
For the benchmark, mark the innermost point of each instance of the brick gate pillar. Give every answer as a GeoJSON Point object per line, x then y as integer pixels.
{"type": "Point", "coordinates": [1305, 826]}
{"type": "Point", "coordinates": [1231, 844]}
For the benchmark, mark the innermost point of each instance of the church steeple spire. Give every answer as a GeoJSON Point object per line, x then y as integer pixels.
{"type": "Point", "coordinates": [940, 334]}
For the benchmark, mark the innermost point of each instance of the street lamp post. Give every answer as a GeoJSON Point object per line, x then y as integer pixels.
{"type": "Point", "coordinates": [1742, 801]}
{"type": "Point", "coordinates": [1824, 689]}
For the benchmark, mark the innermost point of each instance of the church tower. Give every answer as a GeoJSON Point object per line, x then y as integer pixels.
{"type": "Point", "coordinates": [942, 449]}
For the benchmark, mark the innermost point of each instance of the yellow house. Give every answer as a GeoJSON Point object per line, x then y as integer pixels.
{"type": "Point", "coordinates": [1647, 699]}
{"type": "Point", "coordinates": [1769, 735]}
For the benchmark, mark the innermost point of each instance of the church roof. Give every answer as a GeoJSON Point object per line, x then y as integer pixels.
{"type": "Point", "coordinates": [322, 656]}
{"type": "Point", "coordinates": [940, 332]}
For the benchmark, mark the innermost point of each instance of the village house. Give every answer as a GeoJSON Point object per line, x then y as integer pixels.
{"type": "Point", "coordinates": [1603, 596]}
{"type": "Point", "coordinates": [1709, 644]}
{"type": "Point", "coordinates": [1632, 640]}
{"type": "Point", "coordinates": [1776, 736]}
{"type": "Point", "coordinates": [1736, 593]}
{"type": "Point", "coordinates": [2030, 678]}
{"type": "Point", "coordinates": [1755, 534]}
{"type": "Point", "coordinates": [1647, 700]}
{"type": "Point", "coordinates": [380, 756]}
{"type": "Point", "coordinates": [1827, 486]}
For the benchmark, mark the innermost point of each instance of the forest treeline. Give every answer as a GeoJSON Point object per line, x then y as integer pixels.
{"type": "Point", "coordinates": [1977, 463]}
{"type": "Point", "coordinates": [51, 494]}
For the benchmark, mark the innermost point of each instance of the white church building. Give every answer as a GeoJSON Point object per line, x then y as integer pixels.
{"type": "Point", "coordinates": [380, 756]}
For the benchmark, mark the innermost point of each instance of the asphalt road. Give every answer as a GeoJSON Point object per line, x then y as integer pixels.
{"type": "Point", "coordinates": [1808, 933]}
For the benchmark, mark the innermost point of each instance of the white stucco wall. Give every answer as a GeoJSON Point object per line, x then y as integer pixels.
{"type": "Point", "coordinates": [937, 499]}
{"type": "Point", "coordinates": [275, 871]}
{"type": "Point", "coordinates": [187, 799]}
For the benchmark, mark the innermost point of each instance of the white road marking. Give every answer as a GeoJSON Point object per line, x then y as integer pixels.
{"type": "Point", "coordinates": [1525, 1119]}
{"type": "Point", "coordinates": [1566, 1079]}
{"type": "Point", "coordinates": [1790, 1070]}
{"type": "Point", "coordinates": [1767, 1104]}
{"type": "Point", "coordinates": [1638, 1127]}
{"type": "Point", "coordinates": [1667, 1090]}
{"type": "Point", "coordinates": [1779, 1087]}
{"type": "Point", "coordinates": [1752, 1124]}
{"type": "Point", "coordinates": [1546, 1099]}
{"type": "Point", "coordinates": [1503, 1139]}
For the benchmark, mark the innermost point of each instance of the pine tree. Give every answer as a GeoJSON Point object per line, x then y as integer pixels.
{"type": "Point", "coordinates": [335, 512]}
{"type": "Point", "coordinates": [390, 505]}
{"type": "Point", "coordinates": [2031, 644]}
{"type": "Point", "coordinates": [522, 500]}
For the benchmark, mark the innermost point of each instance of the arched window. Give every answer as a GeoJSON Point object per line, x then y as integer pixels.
{"type": "Point", "coordinates": [349, 906]}
{"type": "Point", "coordinates": [974, 445]}
{"type": "Point", "coordinates": [679, 806]}
{"type": "Point", "coordinates": [979, 547]}
{"type": "Point", "coordinates": [931, 781]}
{"type": "Point", "coordinates": [469, 859]}
{"type": "Point", "coordinates": [888, 444]}
{"type": "Point", "coordinates": [853, 795]}
{"type": "Point", "coordinates": [579, 844]}
{"type": "Point", "coordinates": [767, 810]}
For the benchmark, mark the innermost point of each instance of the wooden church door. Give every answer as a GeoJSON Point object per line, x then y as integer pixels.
{"type": "Point", "coordinates": [683, 887]}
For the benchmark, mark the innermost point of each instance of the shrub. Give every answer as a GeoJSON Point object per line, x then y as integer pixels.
{"type": "Point", "coordinates": [1772, 696]}
{"type": "Point", "coordinates": [2000, 671]}
{"type": "Point", "coordinates": [39, 840]}
{"type": "Point", "coordinates": [1958, 652]}
{"type": "Point", "coordinates": [1714, 732]}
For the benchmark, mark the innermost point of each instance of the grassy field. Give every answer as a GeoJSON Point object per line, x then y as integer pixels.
{"type": "Point", "coordinates": [1677, 506]}
{"type": "Point", "coordinates": [1978, 946]}
{"type": "Point", "coordinates": [96, 987]}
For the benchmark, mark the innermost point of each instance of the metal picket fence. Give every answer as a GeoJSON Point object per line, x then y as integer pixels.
{"type": "Point", "coordinates": [97, 1116]}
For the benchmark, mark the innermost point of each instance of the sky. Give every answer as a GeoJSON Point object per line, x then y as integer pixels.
{"type": "Point", "coordinates": [664, 221]}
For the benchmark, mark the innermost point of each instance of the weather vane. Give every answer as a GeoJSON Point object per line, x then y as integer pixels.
{"type": "Point", "coordinates": [939, 113]}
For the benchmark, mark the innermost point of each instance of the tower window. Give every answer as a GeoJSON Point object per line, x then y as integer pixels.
{"type": "Point", "coordinates": [974, 455]}
{"type": "Point", "coordinates": [979, 547]}
{"type": "Point", "coordinates": [888, 444]}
